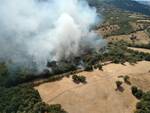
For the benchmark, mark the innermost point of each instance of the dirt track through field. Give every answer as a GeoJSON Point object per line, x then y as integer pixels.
{"type": "Point", "coordinates": [99, 95]}
{"type": "Point", "coordinates": [140, 49]}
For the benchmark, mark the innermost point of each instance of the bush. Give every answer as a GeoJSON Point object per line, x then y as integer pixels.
{"type": "Point", "coordinates": [144, 105]}
{"type": "Point", "coordinates": [88, 68]}
{"type": "Point", "coordinates": [41, 107]}
{"type": "Point", "coordinates": [79, 79]}
{"type": "Point", "coordinates": [134, 89]}
{"type": "Point", "coordinates": [139, 105]}
{"type": "Point", "coordinates": [118, 84]}
{"type": "Point", "coordinates": [99, 66]}
{"type": "Point", "coordinates": [75, 78]}
{"type": "Point", "coordinates": [56, 108]}
{"type": "Point", "coordinates": [138, 93]}
{"type": "Point", "coordinates": [126, 79]}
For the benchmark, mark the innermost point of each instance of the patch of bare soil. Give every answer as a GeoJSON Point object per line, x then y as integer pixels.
{"type": "Point", "coordinates": [140, 38]}
{"type": "Point", "coordinates": [99, 95]}
{"type": "Point", "coordinates": [140, 49]}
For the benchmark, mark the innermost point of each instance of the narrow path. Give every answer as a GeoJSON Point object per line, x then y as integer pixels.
{"type": "Point", "coordinates": [140, 49]}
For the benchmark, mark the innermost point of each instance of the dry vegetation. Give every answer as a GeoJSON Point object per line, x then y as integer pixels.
{"type": "Point", "coordinates": [103, 90]}
{"type": "Point", "coordinates": [140, 49]}
{"type": "Point", "coordinates": [141, 38]}
{"type": "Point", "coordinates": [99, 94]}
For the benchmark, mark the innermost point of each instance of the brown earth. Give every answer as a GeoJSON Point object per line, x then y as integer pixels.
{"type": "Point", "coordinates": [140, 49]}
{"type": "Point", "coordinates": [141, 38]}
{"type": "Point", "coordinates": [99, 95]}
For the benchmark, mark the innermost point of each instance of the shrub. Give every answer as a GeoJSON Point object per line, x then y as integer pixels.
{"type": "Point", "coordinates": [139, 105]}
{"type": "Point", "coordinates": [78, 79]}
{"type": "Point", "coordinates": [75, 78]}
{"type": "Point", "coordinates": [126, 78]}
{"type": "Point", "coordinates": [88, 68]}
{"type": "Point", "coordinates": [95, 67]}
{"type": "Point", "coordinates": [99, 66]}
{"type": "Point", "coordinates": [118, 84]}
{"type": "Point", "coordinates": [41, 107]}
{"type": "Point", "coordinates": [134, 89]}
{"type": "Point", "coordinates": [138, 93]}
{"type": "Point", "coordinates": [143, 106]}
{"type": "Point", "coordinates": [56, 108]}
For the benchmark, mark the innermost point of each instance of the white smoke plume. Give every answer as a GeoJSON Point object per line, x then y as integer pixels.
{"type": "Point", "coordinates": [145, 2]}
{"type": "Point", "coordinates": [43, 30]}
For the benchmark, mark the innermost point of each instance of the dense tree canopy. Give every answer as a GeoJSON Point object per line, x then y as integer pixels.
{"type": "Point", "coordinates": [24, 99]}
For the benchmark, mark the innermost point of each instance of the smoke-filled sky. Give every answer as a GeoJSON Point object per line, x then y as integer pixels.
{"type": "Point", "coordinates": [146, 2]}
{"type": "Point", "coordinates": [45, 29]}
{"type": "Point", "coordinates": [142, 0]}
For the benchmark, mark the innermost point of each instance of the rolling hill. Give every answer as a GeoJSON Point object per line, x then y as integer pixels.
{"type": "Point", "coordinates": [128, 5]}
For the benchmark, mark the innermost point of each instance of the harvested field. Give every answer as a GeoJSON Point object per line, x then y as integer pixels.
{"type": "Point", "coordinates": [99, 95]}
{"type": "Point", "coordinates": [141, 38]}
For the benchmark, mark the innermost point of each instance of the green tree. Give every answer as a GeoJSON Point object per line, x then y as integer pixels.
{"type": "Point", "coordinates": [118, 84]}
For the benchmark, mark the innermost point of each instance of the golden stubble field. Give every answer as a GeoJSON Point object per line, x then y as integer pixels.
{"type": "Point", "coordinates": [99, 95]}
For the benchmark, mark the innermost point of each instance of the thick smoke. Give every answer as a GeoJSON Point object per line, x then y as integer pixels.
{"type": "Point", "coordinates": [42, 30]}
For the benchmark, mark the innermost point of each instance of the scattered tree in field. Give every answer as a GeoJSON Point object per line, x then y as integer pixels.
{"type": "Point", "coordinates": [95, 67]}
{"type": "Point", "coordinates": [143, 106]}
{"type": "Point", "coordinates": [138, 93]}
{"type": "Point", "coordinates": [134, 89]}
{"type": "Point", "coordinates": [79, 79]}
{"type": "Point", "coordinates": [118, 84]}
{"type": "Point", "coordinates": [99, 66]}
{"type": "Point", "coordinates": [126, 79]}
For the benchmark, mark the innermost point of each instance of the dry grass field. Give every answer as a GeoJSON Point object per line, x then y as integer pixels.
{"type": "Point", "coordinates": [99, 95]}
{"type": "Point", "coordinates": [141, 38]}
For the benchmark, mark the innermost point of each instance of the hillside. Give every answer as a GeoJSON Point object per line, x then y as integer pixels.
{"type": "Point", "coordinates": [128, 5]}
{"type": "Point", "coordinates": [99, 95]}
{"type": "Point", "coordinates": [146, 2]}
{"type": "Point", "coordinates": [111, 75]}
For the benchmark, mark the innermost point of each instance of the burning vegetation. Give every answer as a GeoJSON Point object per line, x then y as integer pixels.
{"type": "Point", "coordinates": [56, 39]}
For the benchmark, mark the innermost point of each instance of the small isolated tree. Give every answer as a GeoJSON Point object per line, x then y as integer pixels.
{"type": "Point", "coordinates": [118, 84]}
{"type": "Point", "coordinates": [126, 79]}
{"type": "Point", "coordinates": [95, 67]}
{"type": "Point", "coordinates": [99, 66]}
{"type": "Point", "coordinates": [138, 93]}
{"type": "Point", "coordinates": [79, 79]}
{"type": "Point", "coordinates": [75, 78]}
{"type": "Point", "coordinates": [82, 79]}
{"type": "Point", "coordinates": [134, 89]}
